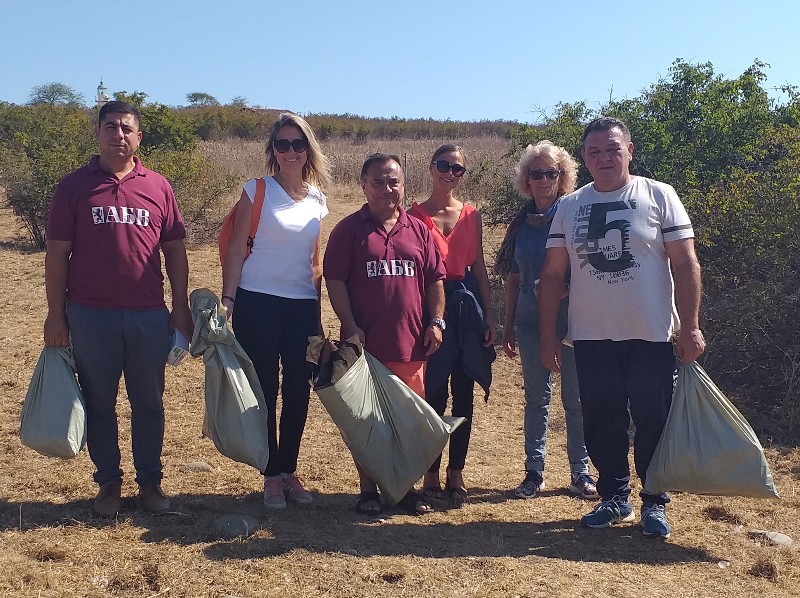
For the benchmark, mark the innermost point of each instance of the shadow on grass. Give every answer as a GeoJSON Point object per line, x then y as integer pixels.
{"type": "Point", "coordinates": [330, 525]}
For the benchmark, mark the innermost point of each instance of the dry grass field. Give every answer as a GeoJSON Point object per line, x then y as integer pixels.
{"type": "Point", "coordinates": [53, 546]}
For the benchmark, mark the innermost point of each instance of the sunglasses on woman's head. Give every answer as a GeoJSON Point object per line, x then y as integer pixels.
{"type": "Point", "coordinates": [282, 145]}
{"type": "Point", "coordinates": [445, 166]}
{"type": "Point", "coordinates": [550, 175]}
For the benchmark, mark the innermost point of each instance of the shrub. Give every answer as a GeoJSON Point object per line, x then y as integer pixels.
{"type": "Point", "coordinates": [200, 186]}
{"type": "Point", "coordinates": [38, 145]}
{"type": "Point", "coordinates": [747, 238]}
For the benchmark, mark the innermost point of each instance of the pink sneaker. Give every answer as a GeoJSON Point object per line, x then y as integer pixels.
{"type": "Point", "coordinates": [293, 489]}
{"type": "Point", "coordinates": [273, 492]}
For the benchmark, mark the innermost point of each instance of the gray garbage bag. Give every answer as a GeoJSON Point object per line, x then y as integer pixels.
{"type": "Point", "coordinates": [236, 414]}
{"type": "Point", "coordinates": [53, 418]}
{"type": "Point", "coordinates": [391, 431]}
{"type": "Point", "coordinates": [707, 446]}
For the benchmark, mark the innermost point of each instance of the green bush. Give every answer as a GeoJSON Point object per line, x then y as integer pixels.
{"type": "Point", "coordinates": [748, 240]}
{"type": "Point", "coordinates": [38, 145]}
{"type": "Point", "coordinates": [200, 187]}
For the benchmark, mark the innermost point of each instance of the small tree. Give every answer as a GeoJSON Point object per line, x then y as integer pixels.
{"type": "Point", "coordinates": [199, 99]}
{"type": "Point", "coordinates": [135, 98]}
{"type": "Point", "coordinates": [55, 93]}
{"type": "Point", "coordinates": [38, 145]}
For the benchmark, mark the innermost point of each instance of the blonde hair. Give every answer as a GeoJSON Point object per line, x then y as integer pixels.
{"type": "Point", "coordinates": [317, 168]}
{"type": "Point", "coordinates": [554, 153]}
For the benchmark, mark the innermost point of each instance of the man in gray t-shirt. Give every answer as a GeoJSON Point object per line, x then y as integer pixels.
{"type": "Point", "coordinates": [629, 247]}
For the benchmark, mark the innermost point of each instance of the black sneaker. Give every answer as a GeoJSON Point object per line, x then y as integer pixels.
{"type": "Point", "coordinates": [533, 483]}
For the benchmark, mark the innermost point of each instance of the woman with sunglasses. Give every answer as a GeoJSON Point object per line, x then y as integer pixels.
{"type": "Point", "coordinates": [457, 231]}
{"type": "Point", "coordinates": [273, 293]}
{"type": "Point", "coordinates": [544, 174]}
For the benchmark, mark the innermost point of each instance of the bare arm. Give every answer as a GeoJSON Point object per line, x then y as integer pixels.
{"type": "Point", "coordinates": [177, 266]}
{"type": "Point", "coordinates": [237, 251]}
{"type": "Point", "coordinates": [316, 279]}
{"type": "Point", "coordinates": [56, 271]}
{"type": "Point", "coordinates": [688, 290]}
{"type": "Point", "coordinates": [509, 334]}
{"type": "Point", "coordinates": [340, 302]}
{"type": "Point", "coordinates": [551, 290]}
{"type": "Point", "coordinates": [434, 300]}
{"type": "Point", "coordinates": [482, 278]}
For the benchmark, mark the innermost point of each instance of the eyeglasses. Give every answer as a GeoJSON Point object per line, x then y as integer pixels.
{"type": "Point", "coordinates": [282, 145]}
{"type": "Point", "coordinates": [445, 166]}
{"type": "Point", "coordinates": [550, 175]}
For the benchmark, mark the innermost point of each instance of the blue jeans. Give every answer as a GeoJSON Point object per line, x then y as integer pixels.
{"type": "Point", "coordinates": [275, 330]}
{"type": "Point", "coordinates": [539, 392]}
{"type": "Point", "coordinates": [616, 376]}
{"type": "Point", "coordinates": [108, 343]}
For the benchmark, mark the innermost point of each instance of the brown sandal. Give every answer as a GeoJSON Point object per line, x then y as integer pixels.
{"type": "Point", "coordinates": [413, 503]}
{"type": "Point", "coordinates": [365, 499]}
{"type": "Point", "coordinates": [432, 492]}
{"type": "Point", "coordinates": [457, 494]}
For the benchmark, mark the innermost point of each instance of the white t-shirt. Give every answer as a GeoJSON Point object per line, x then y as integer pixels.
{"type": "Point", "coordinates": [280, 263]}
{"type": "Point", "coordinates": [621, 286]}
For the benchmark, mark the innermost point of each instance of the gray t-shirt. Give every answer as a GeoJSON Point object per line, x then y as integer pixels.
{"type": "Point", "coordinates": [621, 285]}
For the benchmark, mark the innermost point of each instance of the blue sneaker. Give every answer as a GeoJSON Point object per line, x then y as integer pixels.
{"type": "Point", "coordinates": [654, 521]}
{"type": "Point", "coordinates": [608, 512]}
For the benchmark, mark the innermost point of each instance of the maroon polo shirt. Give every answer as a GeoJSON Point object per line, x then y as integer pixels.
{"type": "Point", "coordinates": [386, 274]}
{"type": "Point", "coordinates": [116, 228]}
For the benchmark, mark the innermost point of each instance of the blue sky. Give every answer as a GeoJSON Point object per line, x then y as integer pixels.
{"type": "Point", "coordinates": [463, 60]}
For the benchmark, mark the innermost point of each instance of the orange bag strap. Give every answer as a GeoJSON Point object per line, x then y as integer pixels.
{"type": "Point", "coordinates": [258, 203]}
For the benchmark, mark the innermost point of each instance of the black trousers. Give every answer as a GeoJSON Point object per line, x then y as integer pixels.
{"type": "Point", "coordinates": [461, 389]}
{"type": "Point", "coordinates": [620, 380]}
{"type": "Point", "coordinates": [274, 330]}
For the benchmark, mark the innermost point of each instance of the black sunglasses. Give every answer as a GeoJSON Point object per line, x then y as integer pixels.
{"type": "Point", "coordinates": [445, 166]}
{"type": "Point", "coordinates": [550, 175]}
{"type": "Point", "coordinates": [282, 145]}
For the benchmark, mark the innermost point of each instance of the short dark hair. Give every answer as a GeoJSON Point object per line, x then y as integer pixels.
{"type": "Point", "coordinates": [116, 107]}
{"type": "Point", "coordinates": [605, 123]}
{"type": "Point", "coordinates": [379, 158]}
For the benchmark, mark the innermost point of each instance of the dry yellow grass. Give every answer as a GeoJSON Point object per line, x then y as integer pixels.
{"type": "Point", "coordinates": [485, 161]}
{"type": "Point", "coordinates": [52, 545]}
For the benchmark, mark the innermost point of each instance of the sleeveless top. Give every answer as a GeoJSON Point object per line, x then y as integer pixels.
{"type": "Point", "coordinates": [459, 249]}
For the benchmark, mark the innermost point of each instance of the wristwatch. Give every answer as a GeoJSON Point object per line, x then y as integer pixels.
{"type": "Point", "coordinates": [439, 323]}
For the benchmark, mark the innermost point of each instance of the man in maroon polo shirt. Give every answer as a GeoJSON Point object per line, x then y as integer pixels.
{"type": "Point", "coordinates": [108, 224]}
{"type": "Point", "coordinates": [381, 270]}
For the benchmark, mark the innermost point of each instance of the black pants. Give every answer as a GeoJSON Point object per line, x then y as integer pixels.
{"type": "Point", "coordinates": [461, 388]}
{"type": "Point", "coordinates": [613, 375]}
{"type": "Point", "coordinates": [275, 330]}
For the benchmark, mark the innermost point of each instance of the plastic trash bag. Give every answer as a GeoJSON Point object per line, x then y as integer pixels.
{"type": "Point", "coordinates": [707, 446]}
{"type": "Point", "coordinates": [391, 431]}
{"type": "Point", "coordinates": [53, 418]}
{"type": "Point", "coordinates": [236, 414]}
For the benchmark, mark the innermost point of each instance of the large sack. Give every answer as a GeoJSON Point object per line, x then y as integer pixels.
{"type": "Point", "coordinates": [236, 414]}
{"type": "Point", "coordinates": [53, 419]}
{"type": "Point", "coordinates": [707, 446]}
{"type": "Point", "coordinates": [391, 431]}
